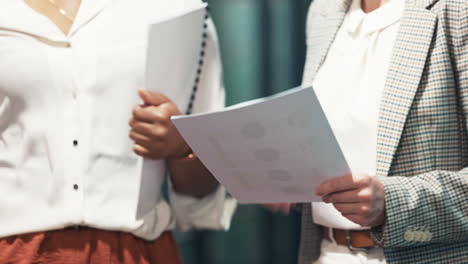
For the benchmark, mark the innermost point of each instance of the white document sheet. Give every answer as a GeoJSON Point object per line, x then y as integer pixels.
{"type": "Point", "coordinates": [173, 52]}
{"type": "Point", "coordinates": [174, 46]}
{"type": "Point", "coordinates": [275, 149]}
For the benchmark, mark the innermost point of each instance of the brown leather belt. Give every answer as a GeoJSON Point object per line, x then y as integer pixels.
{"type": "Point", "coordinates": [354, 240]}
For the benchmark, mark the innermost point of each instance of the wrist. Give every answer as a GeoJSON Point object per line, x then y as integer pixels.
{"type": "Point", "coordinates": [184, 154]}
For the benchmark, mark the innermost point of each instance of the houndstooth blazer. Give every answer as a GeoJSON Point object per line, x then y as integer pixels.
{"type": "Point", "coordinates": [422, 152]}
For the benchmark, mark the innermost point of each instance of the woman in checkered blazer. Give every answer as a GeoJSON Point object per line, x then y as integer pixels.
{"type": "Point", "coordinates": [417, 202]}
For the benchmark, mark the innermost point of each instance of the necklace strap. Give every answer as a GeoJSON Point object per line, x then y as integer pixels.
{"type": "Point", "coordinates": [201, 62]}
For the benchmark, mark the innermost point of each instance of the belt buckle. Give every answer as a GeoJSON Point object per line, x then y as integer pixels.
{"type": "Point", "coordinates": [349, 244]}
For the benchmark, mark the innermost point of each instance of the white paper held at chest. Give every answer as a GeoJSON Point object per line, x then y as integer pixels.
{"type": "Point", "coordinates": [173, 51]}
{"type": "Point", "coordinates": [268, 150]}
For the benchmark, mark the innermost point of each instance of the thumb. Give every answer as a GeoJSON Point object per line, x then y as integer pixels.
{"type": "Point", "coordinates": [152, 98]}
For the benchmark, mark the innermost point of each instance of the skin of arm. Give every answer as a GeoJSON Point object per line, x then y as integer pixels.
{"type": "Point", "coordinates": [156, 137]}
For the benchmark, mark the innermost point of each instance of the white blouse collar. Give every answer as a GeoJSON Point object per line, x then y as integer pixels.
{"type": "Point", "coordinates": [89, 9]}
{"type": "Point", "coordinates": [16, 15]}
{"type": "Point", "coordinates": [389, 13]}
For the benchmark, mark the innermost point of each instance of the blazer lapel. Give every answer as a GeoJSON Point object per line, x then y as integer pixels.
{"type": "Point", "coordinates": [322, 30]}
{"type": "Point", "coordinates": [408, 61]}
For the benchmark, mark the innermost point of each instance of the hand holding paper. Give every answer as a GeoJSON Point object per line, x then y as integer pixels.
{"type": "Point", "coordinates": [172, 55]}
{"type": "Point", "coordinates": [360, 198]}
{"type": "Point", "coordinates": [269, 150]}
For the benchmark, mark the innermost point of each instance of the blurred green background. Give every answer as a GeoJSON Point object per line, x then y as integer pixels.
{"type": "Point", "coordinates": [263, 50]}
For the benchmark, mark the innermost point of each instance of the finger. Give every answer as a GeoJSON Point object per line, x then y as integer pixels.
{"type": "Point", "coordinates": [152, 131]}
{"type": "Point", "coordinates": [152, 98]}
{"type": "Point", "coordinates": [352, 196]}
{"type": "Point", "coordinates": [358, 219]}
{"type": "Point", "coordinates": [285, 208]}
{"type": "Point", "coordinates": [281, 207]}
{"type": "Point", "coordinates": [143, 114]}
{"type": "Point", "coordinates": [146, 153]}
{"type": "Point", "coordinates": [140, 150]}
{"type": "Point", "coordinates": [271, 207]}
{"type": "Point", "coordinates": [339, 184]}
{"type": "Point", "coordinates": [360, 209]}
{"type": "Point", "coordinates": [336, 185]}
{"type": "Point", "coordinates": [141, 127]}
{"type": "Point", "coordinates": [150, 114]}
{"type": "Point", "coordinates": [147, 148]}
{"type": "Point", "coordinates": [140, 139]}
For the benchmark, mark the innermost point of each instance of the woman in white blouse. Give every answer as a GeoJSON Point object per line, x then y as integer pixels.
{"type": "Point", "coordinates": [70, 164]}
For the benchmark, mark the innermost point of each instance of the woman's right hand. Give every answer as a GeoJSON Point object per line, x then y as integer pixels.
{"type": "Point", "coordinates": [283, 208]}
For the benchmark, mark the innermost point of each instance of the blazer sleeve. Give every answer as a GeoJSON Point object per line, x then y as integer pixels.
{"type": "Point", "coordinates": [434, 205]}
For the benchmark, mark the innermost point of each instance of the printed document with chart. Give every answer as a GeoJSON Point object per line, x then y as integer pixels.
{"type": "Point", "coordinates": [275, 149]}
{"type": "Point", "coordinates": [173, 50]}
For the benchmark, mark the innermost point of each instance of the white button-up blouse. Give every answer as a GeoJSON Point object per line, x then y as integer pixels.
{"type": "Point", "coordinates": [65, 102]}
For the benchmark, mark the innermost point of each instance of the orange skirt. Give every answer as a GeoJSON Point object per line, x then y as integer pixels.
{"type": "Point", "coordinates": [87, 245]}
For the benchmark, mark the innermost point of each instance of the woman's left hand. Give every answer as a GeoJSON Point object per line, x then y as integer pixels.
{"type": "Point", "coordinates": [152, 130]}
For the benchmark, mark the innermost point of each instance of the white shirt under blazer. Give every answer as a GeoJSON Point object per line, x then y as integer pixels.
{"type": "Point", "coordinates": [360, 56]}
{"type": "Point", "coordinates": [65, 101]}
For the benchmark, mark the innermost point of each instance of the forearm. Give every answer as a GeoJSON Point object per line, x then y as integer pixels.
{"type": "Point", "coordinates": [191, 177]}
{"type": "Point", "coordinates": [433, 202]}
